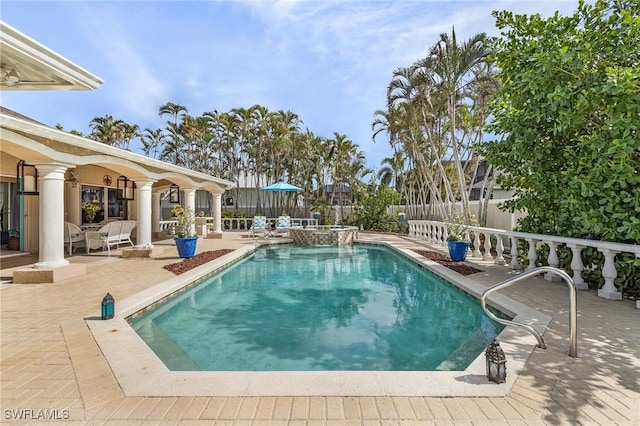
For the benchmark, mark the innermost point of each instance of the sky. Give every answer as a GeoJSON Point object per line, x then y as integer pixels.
{"type": "Point", "coordinates": [330, 62]}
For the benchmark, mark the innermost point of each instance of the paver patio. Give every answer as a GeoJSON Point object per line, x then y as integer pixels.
{"type": "Point", "coordinates": [51, 365]}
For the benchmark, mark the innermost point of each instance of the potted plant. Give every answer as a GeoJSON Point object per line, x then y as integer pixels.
{"type": "Point", "coordinates": [458, 225]}
{"type": "Point", "coordinates": [90, 210]}
{"type": "Point", "coordinates": [185, 239]}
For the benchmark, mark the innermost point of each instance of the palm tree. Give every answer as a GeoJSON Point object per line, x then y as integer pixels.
{"type": "Point", "coordinates": [113, 132]}
{"type": "Point", "coordinates": [391, 172]}
{"type": "Point", "coordinates": [152, 142]}
{"type": "Point", "coordinates": [177, 111]}
{"type": "Point", "coordinates": [449, 67]}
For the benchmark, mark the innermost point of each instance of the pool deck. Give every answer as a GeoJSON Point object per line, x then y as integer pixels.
{"type": "Point", "coordinates": [50, 364]}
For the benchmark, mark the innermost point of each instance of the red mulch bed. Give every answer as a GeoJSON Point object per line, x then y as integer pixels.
{"type": "Point", "coordinates": [207, 256]}
{"type": "Point", "coordinates": [195, 261]}
{"type": "Point", "coordinates": [444, 260]}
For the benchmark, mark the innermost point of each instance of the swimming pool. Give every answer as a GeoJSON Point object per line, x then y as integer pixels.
{"type": "Point", "coordinates": [293, 308]}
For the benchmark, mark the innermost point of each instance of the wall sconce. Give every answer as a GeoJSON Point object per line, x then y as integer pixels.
{"type": "Point", "coordinates": [125, 189]}
{"type": "Point", "coordinates": [11, 77]}
{"type": "Point", "coordinates": [108, 307]}
{"type": "Point", "coordinates": [27, 184]}
{"type": "Point", "coordinates": [496, 362]}
{"type": "Point", "coordinates": [174, 194]}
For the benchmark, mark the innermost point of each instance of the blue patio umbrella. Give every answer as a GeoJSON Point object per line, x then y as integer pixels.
{"type": "Point", "coordinates": [281, 187]}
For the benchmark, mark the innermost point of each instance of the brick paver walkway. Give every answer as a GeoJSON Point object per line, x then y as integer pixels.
{"type": "Point", "coordinates": [52, 368]}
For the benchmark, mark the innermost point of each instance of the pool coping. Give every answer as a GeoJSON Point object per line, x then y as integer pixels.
{"type": "Point", "coordinates": [141, 373]}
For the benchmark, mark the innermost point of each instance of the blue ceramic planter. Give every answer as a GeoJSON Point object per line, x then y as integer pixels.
{"type": "Point", "coordinates": [458, 250]}
{"type": "Point", "coordinates": [186, 246]}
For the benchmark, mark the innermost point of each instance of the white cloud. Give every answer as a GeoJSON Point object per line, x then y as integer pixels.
{"type": "Point", "coordinates": [328, 61]}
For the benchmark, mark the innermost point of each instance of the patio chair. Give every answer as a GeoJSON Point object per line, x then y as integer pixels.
{"type": "Point", "coordinates": [259, 225]}
{"type": "Point", "coordinates": [111, 234]}
{"type": "Point", "coordinates": [283, 224]}
{"type": "Point", "coordinates": [73, 234]}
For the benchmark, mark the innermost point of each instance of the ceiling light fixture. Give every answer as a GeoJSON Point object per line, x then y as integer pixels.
{"type": "Point", "coordinates": [11, 77]}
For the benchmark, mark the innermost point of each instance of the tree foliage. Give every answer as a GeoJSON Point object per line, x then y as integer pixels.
{"type": "Point", "coordinates": [371, 211]}
{"type": "Point", "coordinates": [267, 146]}
{"type": "Point", "coordinates": [568, 113]}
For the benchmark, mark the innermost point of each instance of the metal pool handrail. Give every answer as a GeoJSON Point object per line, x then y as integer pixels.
{"type": "Point", "coordinates": [573, 315]}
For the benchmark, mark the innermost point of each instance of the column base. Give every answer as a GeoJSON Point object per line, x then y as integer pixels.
{"type": "Point", "coordinates": [48, 276]}
{"type": "Point", "coordinates": [160, 235]}
{"type": "Point", "coordinates": [609, 295]}
{"type": "Point", "coordinates": [217, 235]}
{"type": "Point", "coordinates": [141, 252]}
{"type": "Point", "coordinates": [582, 286]}
{"type": "Point", "coordinates": [552, 277]}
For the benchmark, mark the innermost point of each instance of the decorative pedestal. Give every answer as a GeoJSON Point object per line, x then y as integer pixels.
{"type": "Point", "coordinates": [139, 252]}
{"type": "Point", "coordinates": [42, 276]}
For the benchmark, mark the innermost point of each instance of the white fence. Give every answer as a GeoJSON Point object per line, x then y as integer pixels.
{"type": "Point", "coordinates": [231, 224]}
{"type": "Point", "coordinates": [434, 232]}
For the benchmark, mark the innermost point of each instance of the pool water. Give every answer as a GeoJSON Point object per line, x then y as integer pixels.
{"type": "Point", "coordinates": [297, 308]}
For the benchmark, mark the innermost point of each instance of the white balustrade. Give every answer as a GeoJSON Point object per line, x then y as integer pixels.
{"type": "Point", "coordinates": [609, 290]}
{"type": "Point", "coordinates": [487, 247]}
{"type": "Point", "coordinates": [577, 266]}
{"type": "Point", "coordinates": [476, 245]}
{"type": "Point", "coordinates": [515, 262]}
{"type": "Point", "coordinates": [499, 251]}
{"type": "Point", "coordinates": [433, 232]}
{"type": "Point", "coordinates": [553, 261]}
{"type": "Point", "coordinates": [532, 254]}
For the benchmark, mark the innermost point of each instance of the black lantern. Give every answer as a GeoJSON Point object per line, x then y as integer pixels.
{"type": "Point", "coordinates": [496, 362]}
{"type": "Point", "coordinates": [27, 183]}
{"type": "Point", "coordinates": [125, 189]}
{"type": "Point", "coordinates": [108, 307]}
{"type": "Point", "coordinates": [174, 194]}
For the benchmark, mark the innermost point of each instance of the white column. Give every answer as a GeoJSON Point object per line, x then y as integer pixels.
{"type": "Point", "coordinates": [609, 272]}
{"type": "Point", "coordinates": [217, 213]}
{"type": "Point", "coordinates": [143, 213]}
{"type": "Point", "coordinates": [51, 216]}
{"type": "Point", "coordinates": [155, 212]}
{"type": "Point", "coordinates": [190, 203]}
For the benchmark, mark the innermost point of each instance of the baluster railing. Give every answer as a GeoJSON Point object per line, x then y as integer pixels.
{"type": "Point", "coordinates": [515, 262]}
{"type": "Point", "coordinates": [577, 266]}
{"type": "Point", "coordinates": [552, 260]}
{"type": "Point", "coordinates": [499, 260]}
{"type": "Point", "coordinates": [532, 254]}
{"type": "Point", "coordinates": [487, 247]}
{"type": "Point", "coordinates": [433, 232]}
{"type": "Point", "coordinates": [609, 273]}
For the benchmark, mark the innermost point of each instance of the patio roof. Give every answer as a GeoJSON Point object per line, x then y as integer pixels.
{"type": "Point", "coordinates": [38, 67]}
{"type": "Point", "coordinates": [28, 140]}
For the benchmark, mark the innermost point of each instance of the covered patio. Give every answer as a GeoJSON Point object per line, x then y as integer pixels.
{"type": "Point", "coordinates": [46, 174]}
